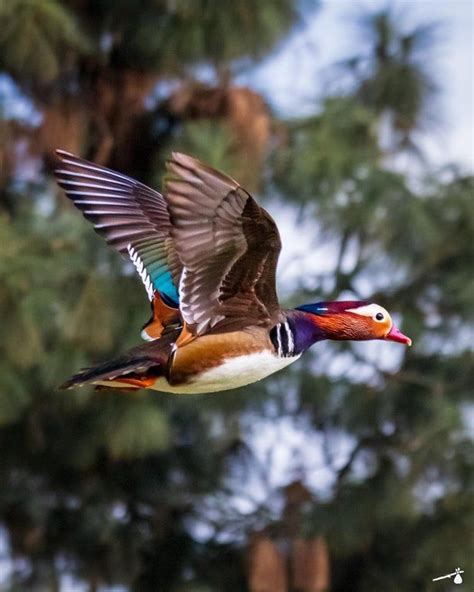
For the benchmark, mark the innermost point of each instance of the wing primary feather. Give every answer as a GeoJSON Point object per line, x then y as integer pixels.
{"type": "Point", "coordinates": [228, 245]}
{"type": "Point", "coordinates": [59, 172]}
{"type": "Point", "coordinates": [91, 167]}
{"type": "Point", "coordinates": [126, 213]}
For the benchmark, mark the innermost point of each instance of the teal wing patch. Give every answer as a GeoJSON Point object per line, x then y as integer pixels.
{"type": "Point", "coordinates": [132, 218]}
{"type": "Point", "coordinates": [150, 261]}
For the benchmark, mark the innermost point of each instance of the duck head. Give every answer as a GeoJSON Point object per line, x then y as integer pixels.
{"type": "Point", "coordinates": [350, 320]}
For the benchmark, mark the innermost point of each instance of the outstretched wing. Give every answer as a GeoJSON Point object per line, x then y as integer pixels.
{"type": "Point", "coordinates": [228, 246]}
{"type": "Point", "coordinates": [206, 244]}
{"type": "Point", "coordinates": [132, 217]}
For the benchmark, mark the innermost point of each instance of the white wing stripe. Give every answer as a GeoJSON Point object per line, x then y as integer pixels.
{"type": "Point", "coordinates": [121, 195]}
{"type": "Point", "coordinates": [142, 271]}
{"type": "Point", "coordinates": [91, 167]}
{"type": "Point", "coordinates": [60, 172]}
{"type": "Point", "coordinates": [94, 185]}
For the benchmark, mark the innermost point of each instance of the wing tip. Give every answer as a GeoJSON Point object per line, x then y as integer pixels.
{"type": "Point", "coordinates": [178, 161]}
{"type": "Point", "coordinates": [178, 156]}
{"type": "Point", "coordinates": [60, 153]}
{"type": "Point", "coordinates": [194, 170]}
{"type": "Point", "coordinates": [64, 161]}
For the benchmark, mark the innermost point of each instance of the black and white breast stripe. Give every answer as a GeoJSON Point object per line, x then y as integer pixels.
{"type": "Point", "coordinates": [283, 340]}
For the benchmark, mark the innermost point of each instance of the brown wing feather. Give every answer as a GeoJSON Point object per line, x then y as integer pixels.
{"type": "Point", "coordinates": [229, 248]}
{"type": "Point", "coordinates": [207, 230]}
{"type": "Point", "coordinates": [124, 211]}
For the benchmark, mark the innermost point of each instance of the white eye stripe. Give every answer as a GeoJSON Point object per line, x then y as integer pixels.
{"type": "Point", "coordinates": [370, 310]}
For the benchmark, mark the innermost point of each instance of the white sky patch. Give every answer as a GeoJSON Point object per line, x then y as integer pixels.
{"type": "Point", "coordinates": [6, 564]}
{"type": "Point", "coordinates": [15, 105]}
{"type": "Point", "coordinates": [285, 448]}
{"type": "Point", "coordinates": [304, 251]}
{"type": "Point", "coordinates": [295, 77]}
{"type": "Point", "coordinates": [468, 418]}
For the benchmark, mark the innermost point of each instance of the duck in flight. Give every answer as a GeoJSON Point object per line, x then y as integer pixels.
{"type": "Point", "coordinates": [207, 254]}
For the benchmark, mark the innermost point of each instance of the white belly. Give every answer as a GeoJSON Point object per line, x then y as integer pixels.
{"type": "Point", "coordinates": [235, 372]}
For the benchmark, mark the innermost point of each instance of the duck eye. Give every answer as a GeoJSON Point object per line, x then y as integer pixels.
{"type": "Point", "coordinates": [379, 316]}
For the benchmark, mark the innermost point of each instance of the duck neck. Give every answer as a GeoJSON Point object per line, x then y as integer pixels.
{"type": "Point", "coordinates": [306, 330]}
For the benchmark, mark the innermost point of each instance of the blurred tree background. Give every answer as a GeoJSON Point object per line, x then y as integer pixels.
{"type": "Point", "coordinates": [350, 471]}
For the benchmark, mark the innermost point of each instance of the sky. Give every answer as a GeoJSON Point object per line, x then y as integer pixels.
{"type": "Point", "coordinates": [295, 77]}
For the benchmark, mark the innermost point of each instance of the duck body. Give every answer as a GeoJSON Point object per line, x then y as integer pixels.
{"type": "Point", "coordinates": [212, 363]}
{"type": "Point", "coordinates": [207, 255]}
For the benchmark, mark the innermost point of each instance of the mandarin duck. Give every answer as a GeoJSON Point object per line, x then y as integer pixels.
{"type": "Point", "coordinates": [207, 255]}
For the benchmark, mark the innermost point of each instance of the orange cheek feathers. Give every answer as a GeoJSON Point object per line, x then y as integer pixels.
{"type": "Point", "coordinates": [346, 325]}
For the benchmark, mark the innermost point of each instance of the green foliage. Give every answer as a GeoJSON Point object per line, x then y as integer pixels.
{"type": "Point", "coordinates": [211, 141]}
{"type": "Point", "coordinates": [167, 36]}
{"type": "Point", "coordinates": [321, 150]}
{"type": "Point", "coordinates": [133, 429]}
{"type": "Point", "coordinates": [34, 34]}
{"type": "Point", "coordinates": [394, 78]}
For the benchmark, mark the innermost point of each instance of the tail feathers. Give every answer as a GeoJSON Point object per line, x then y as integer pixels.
{"type": "Point", "coordinates": [122, 367]}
